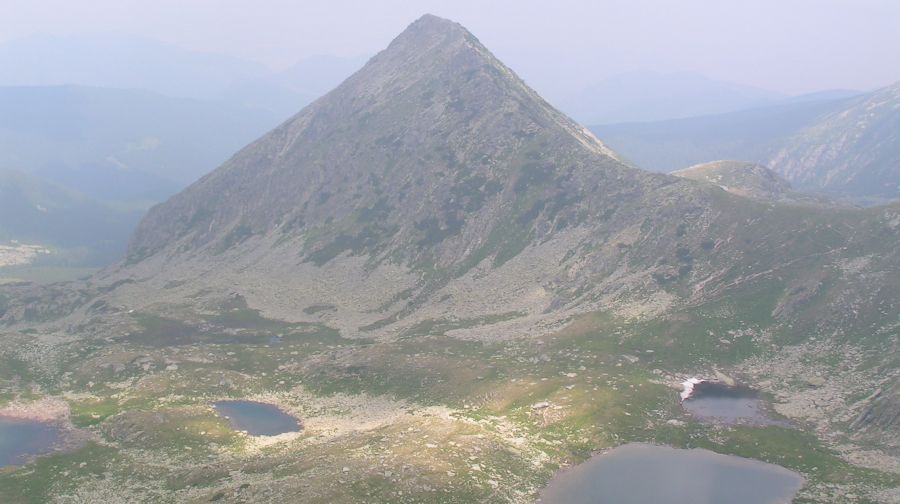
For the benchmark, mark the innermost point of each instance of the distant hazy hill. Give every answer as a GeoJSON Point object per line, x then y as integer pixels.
{"type": "Point", "coordinates": [80, 231]}
{"type": "Point", "coordinates": [287, 91]}
{"type": "Point", "coordinates": [654, 96]}
{"type": "Point", "coordinates": [111, 60]}
{"type": "Point", "coordinates": [844, 146]}
{"type": "Point", "coordinates": [316, 75]}
{"type": "Point", "coordinates": [120, 145]}
{"type": "Point", "coordinates": [665, 146]}
{"type": "Point", "coordinates": [122, 61]}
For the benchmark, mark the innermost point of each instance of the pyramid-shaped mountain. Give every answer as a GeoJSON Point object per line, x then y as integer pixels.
{"type": "Point", "coordinates": [434, 184]}
{"type": "Point", "coordinates": [430, 137]}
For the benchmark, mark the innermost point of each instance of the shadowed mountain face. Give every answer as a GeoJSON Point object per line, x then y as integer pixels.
{"type": "Point", "coordinates": [434, 182]}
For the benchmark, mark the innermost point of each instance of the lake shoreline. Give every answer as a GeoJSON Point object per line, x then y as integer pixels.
{"type": "Point", "coordinates": [583, 483]}
{"type": "Point", "coordinates": [50, 413]}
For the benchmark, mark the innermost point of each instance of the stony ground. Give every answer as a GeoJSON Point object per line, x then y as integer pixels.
{"type": "Point", "coordinates": [423, 418]}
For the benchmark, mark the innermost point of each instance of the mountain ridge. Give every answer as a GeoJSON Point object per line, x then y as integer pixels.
{"type": "Point", "coordinates": [752, 181]}
{"type": "Point", "coordinates": [435, 173]}
{"type": "Point", "coordinates": [404, 54]}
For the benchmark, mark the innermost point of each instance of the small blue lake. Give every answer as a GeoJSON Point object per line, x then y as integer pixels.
{"type": "Point", "coordinates": [719, 403]}
{"type": "Point", "coordinates": [647, 474]}
{"type": "Point", "coordinates": [21, 440]}
{"type": "Point", "coordinates": [256, 418]}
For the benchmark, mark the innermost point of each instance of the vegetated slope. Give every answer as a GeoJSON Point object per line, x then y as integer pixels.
{"type": "Point", "coordinates": [433, 184]}
{"type": "Point", "coordinates": [35, 211]}
{"type": "Point", "coordinates": [847, 147]}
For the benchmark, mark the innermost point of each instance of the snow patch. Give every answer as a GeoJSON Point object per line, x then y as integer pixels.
{"type": "Point", "coordinates": [688, 387]}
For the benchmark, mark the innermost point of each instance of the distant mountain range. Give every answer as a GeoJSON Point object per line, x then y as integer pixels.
{"type": "Point", "coordinates": [112, 60]}
{"type": "Point", "coordinates": [652, 96]}
{"type": "Point", "coordinates": [845, 146]}
{"type": "Point", "coordinates": [107, 125]}
{"type": "Point", "coordinates": [120, 145]}
{"type": "Point", "coordinates": [79, 165]}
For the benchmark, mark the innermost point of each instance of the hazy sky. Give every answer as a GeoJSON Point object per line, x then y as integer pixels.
{"type": "Point", "coordinates": [792, 46]}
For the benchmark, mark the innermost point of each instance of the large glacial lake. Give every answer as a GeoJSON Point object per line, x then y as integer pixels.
{"type": "Point", "coordinates": [21, 440]}
{"type": "Point", "coordinates": [647, 474]}
{"type": "Point", "coordinates": [256, 418]}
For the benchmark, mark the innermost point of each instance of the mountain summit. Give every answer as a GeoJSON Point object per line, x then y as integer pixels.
{"type": "Point", "coordinates": [431, 134]}
{"type": "Point", "coordinates": [435, 184]}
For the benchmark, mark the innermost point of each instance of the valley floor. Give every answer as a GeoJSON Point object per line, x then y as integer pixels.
{"type": "Point", "coordinates": [423, 418]}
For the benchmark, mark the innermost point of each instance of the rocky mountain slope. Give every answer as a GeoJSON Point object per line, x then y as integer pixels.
{"type": "Point", "coordinates": [745, 179]}
{"type": "Point", "coordinates": [855, 150]}
{"type": "Point", "coordinates": [751, 181]}
{"type": "Point", "coordinates": [435, 184]}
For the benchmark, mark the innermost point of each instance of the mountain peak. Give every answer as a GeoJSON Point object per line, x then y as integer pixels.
{"type": "Point", "coordinates": [429, 33]}
{"type": "Point", "coordinates": [418, 156]}
{"type": "Point", "coordinates": [430, 22]}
